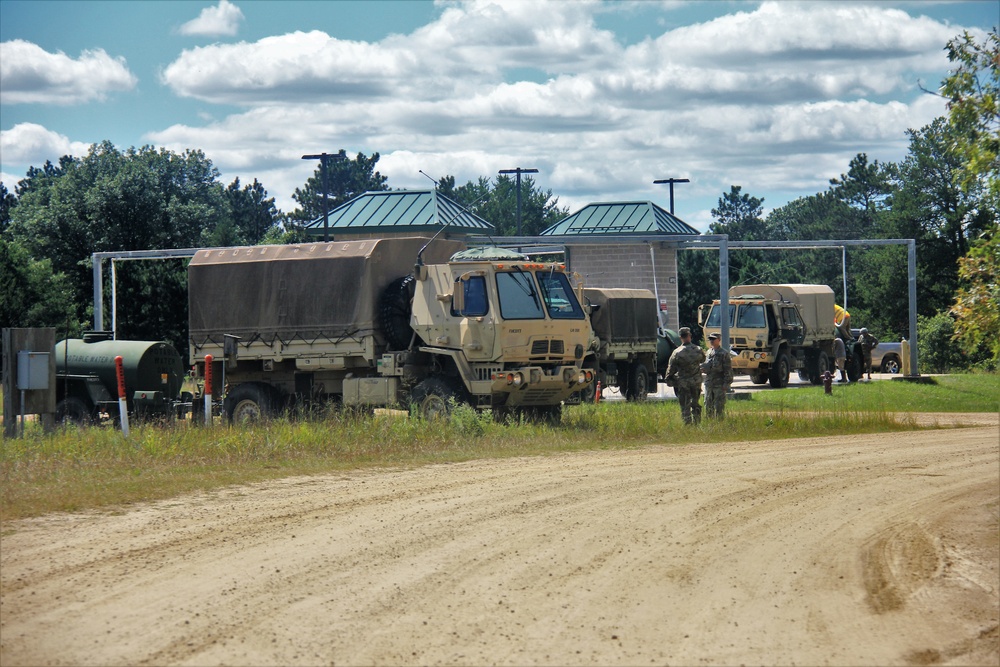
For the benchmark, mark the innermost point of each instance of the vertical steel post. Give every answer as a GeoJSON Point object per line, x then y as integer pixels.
{"type": "Point", "coordinates": [98, 293]}
{"type": "Point", "coordinates": [911, 275]}
{"type": "Point", "coordinates": [724, 289]}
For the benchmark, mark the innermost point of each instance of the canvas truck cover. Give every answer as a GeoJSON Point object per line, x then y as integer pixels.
{"type": "Point", "coordinates": [624, 316]}
{"type": "Point", "coordinates": [308, 291]}
{"type": "Point", "coordinates": [815, 303]}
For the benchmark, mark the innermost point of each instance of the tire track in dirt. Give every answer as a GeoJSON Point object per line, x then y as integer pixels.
{"type": "Point", "coordinates": [864, 550]}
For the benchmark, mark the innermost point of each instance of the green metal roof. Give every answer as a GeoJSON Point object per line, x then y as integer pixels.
{"type": "Point", "coordinates": [399, 211]}
{"type": "Point", "coordinates": [633, 217]}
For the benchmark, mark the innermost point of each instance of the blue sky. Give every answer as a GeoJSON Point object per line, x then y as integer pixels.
{"type": "Point", "coordinates": [602, 98]}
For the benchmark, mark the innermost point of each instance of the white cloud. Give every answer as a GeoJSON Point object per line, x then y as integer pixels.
{"type": "Point", "coordinates": [222, 20]}
{"type": "Point", "coordinates": [778, 97]}
{"type": "Point", "coordinates": [30, 143]}
{"type": "Point", "coordinates": [29, 74]}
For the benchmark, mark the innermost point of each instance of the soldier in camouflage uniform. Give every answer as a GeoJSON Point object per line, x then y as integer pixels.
{"type": "Point", "coordinates": [718, 370]}
{"type": "Point", "coordinates": [684, 375]}
{"type": "Point", "coordinates": [868, 343]}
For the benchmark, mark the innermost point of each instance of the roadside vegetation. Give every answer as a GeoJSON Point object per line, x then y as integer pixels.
{"type": "Point", "coordinates": [97, 468]}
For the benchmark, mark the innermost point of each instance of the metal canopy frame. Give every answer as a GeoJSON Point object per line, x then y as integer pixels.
{"type": "Point", "coordinates": [722, 243]}
{"type": "Point", "coordinates": [551, 244]}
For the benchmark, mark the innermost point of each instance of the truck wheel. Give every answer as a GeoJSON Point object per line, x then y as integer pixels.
{"type": "Point", "coordinates": [855, 366]}
{"type": "Point", "coordinates": [637, 388]}
{"type": "Point", "coordinates": [72, 412]}
{"type": "Point", "coordinates": [820, 366]}
{"type": "Point", "coordinates": [779, 372]}
{"type": "Point", "coordinates": [758, 377]}
{"type": "Point", "coordinates": [890, 364]}
{"type": "Point", "coordinates": [251, 402]}
{"type": "Point", "coordinates": [433, 399]}
{"type": "Point", "coordinates": [395, 306]}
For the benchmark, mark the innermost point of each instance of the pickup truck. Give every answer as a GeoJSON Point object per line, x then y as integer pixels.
{"type": "Point", "coordinates": [887, 357]}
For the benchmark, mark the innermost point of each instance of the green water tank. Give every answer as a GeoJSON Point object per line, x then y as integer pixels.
{"type": "Point", "coordinates": [149, 366]}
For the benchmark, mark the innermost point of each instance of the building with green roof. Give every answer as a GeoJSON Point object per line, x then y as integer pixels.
{"type": "Point", "coordinates": [398, 213]}
{"type": "Point", "coordinates": [625, 244]}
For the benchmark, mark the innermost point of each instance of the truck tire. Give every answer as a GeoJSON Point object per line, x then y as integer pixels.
{"type": "Point", "coordinates": [395, 306]}
{"type": "Point", "coordinates": [779, 372]}
{"type": "Point", "coordinates": [637, 387]}
{"type": "Point", "coordinates": [251, 402]}
{"type": "Point", "coordinates": [758, 377]}
{"type": "Point", "coordinates": [73, 411]}
{"type": "Point", "coordinates": [433, 399]}
{"type": "Point", "coordinates": [818, 366]}
{"type": "Point", "coordinates": [855, 366]}
{"type": "Point", "coordinates": [890, 364]}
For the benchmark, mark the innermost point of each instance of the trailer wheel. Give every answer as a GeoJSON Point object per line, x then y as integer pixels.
{"type": "Point", "coordinates": [73, 412]}
{"type": "Point", "coordinates": [395, 306]}
{"type": "Point", "coordinates": [637, 387]}
{"type": "Point", "coordinates": [251, 402]}
{"type": "Point", "coordinates": [779, 372]}
{"type": "Point", "coordinates": [433, 399]}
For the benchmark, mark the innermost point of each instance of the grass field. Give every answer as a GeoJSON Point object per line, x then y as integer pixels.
{"type": "Point", "coordinates": [79, 469]}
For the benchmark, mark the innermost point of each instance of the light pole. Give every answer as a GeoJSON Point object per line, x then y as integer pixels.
{"type": "Point", "coordinates": [672, 181]}
{"type": "Point", "coordinates": [324, 161]}
{"type": "Point", "coordinates": [518, 171]}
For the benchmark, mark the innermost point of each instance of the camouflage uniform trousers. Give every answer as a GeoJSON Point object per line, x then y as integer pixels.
{"type": "Point", "coordinates": [689, 394]}
{"type": "Point", "coordinates": [715, 401]}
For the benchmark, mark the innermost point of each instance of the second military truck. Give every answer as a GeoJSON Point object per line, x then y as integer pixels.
{"type": "Point", "coordinates": [398, 321]}
{"type": "Point", "coordinates": [776, 329]}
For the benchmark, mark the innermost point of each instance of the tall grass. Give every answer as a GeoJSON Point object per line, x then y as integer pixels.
{"type": "Point", "coordinates": [75, 469]}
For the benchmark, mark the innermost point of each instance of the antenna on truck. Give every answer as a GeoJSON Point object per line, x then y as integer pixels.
{"type": "Point", "coordinates": [420, 253]}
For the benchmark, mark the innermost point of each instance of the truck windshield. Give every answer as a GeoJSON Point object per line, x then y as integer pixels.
{"type": "Point", "coordinates": [559, 298]}
{"type": "Point", "coordinates": [518, 297]}
{"type": "Point", "coordinates": [751, 317]}
{"type": "Point", "coordinates": [713, 317]}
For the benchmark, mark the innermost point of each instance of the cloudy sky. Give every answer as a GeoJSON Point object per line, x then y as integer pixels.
{"type": "Point", "coordinates": [601, 97]}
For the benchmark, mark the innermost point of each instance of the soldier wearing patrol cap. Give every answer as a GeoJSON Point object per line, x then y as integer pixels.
{"type": "Point", "coordinates": [684, 375]}
{"type": "Point", "coordinates": [718, 370]}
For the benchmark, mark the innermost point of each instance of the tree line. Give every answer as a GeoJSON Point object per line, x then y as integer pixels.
{"type": "Point", "coordinates": [945, 194]}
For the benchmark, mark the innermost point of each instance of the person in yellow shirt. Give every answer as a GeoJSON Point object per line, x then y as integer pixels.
{"type": "Point", "coordinates": [842, 320]}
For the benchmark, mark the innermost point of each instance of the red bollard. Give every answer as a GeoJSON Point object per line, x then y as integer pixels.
{"type": "Point", "coordinates": [827, 382]}
{"type": "Point", "coordinates": [122, 404]}
{"type": "Point", "coordinates": [597, 394]}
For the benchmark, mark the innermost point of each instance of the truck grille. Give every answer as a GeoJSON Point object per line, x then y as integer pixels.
{"type": "Point", "coordinates": [541, 350]}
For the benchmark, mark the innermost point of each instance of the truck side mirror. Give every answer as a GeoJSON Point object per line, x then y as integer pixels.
{"type": "Point", "coordinates": [701, 315]}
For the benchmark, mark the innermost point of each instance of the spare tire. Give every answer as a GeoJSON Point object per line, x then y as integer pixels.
{"type": "Point", "coordinates": [395, 306]}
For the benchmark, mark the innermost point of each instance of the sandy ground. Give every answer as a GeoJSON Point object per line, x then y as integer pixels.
{"type": "Point", "coordinates": [873, 550]}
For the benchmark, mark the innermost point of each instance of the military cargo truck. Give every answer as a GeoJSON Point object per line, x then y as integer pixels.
{"type": "Point", "coordinates": [400, 321]}
{"type": "Point", "coordinates": [776, 329]}
{"type": "Point", "coordinates": [624, 322]}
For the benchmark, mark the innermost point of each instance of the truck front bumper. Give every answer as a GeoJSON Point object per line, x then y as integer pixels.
{"type": "Point", "coordinates": [533, 385]}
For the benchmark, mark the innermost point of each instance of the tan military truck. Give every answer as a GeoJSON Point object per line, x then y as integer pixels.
{"type": "Point", "coordinates": [776, 329]}
{"type": "Point", "coordinates": [400, 321]}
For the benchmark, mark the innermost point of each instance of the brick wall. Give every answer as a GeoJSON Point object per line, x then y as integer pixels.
{"type": "Point", "coordinates": [629, 266]}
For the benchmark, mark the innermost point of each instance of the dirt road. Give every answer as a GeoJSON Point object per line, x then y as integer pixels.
{"type": "Point", "coordinates": [878, 550]}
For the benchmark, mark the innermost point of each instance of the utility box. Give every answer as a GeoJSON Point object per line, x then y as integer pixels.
{"type": "Point", "coordinates": [32, 370]}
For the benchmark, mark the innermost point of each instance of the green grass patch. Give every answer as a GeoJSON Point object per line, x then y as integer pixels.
{"type": "Point", "coordinates": [94, 468]}
{"type": "Point", "coordinates": [978, 392]}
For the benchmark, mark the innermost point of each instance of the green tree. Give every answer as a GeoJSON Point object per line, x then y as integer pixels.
{"type": "Point", "coordinates": [112, 200]}
{"type": "Point", "coordinates": [496, 202]}
{"type": "Point", "coordinates": [7, 202]}
{"type": "Point", "coordinates": [31, 295]}
{"type": "Point", "coordinates": [865, 188]}
{"type": "Point", "coordinates": [252, 218]}
{"type": "Point", "coordinates": [973, 93]}
{"type": "Point", "coordinates": [977, 301]}
{"type": "Point", "coordinates": [346, 179]}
